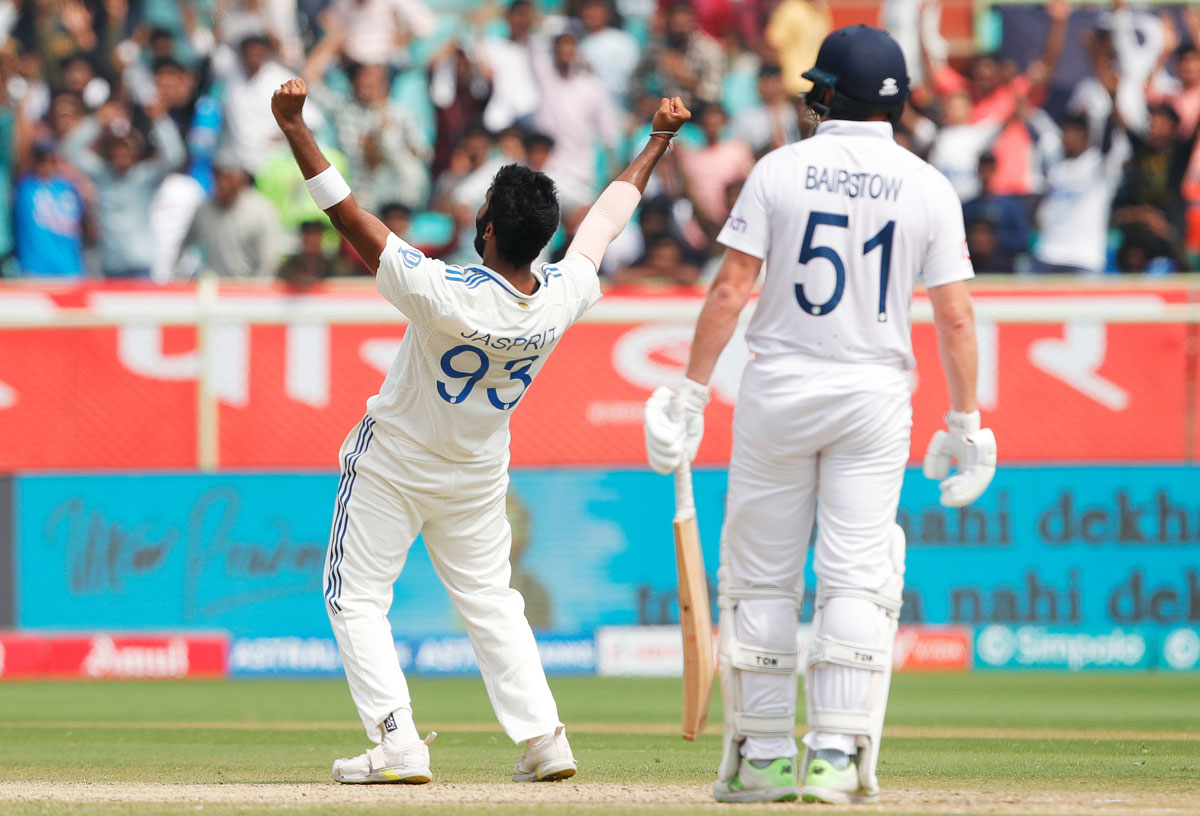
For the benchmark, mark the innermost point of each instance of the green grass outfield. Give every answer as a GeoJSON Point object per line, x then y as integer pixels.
{"type": "Point", "coordinates": [978, 743]}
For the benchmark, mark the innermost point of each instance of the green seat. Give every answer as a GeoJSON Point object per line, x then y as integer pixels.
{"type": "Point", "coordinates": [431, 229]}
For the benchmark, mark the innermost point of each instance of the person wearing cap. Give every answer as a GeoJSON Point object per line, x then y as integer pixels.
{"type": "Point", "coordinates": [845, 222]}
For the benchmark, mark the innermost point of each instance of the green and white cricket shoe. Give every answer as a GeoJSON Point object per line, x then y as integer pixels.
{"type": "Point", "coordinates": [773, 782]}
{"type": "Point", "coordinates": [408, 765]}
{"type": "Point", "coordinates": [830, 785]}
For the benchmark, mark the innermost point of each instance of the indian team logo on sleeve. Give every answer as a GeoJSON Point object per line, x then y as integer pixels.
{"type": "Point", "coordinates": [889, 87]}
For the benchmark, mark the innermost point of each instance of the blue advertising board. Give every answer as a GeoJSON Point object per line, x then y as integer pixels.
{"type": "Point", "coordinates": [1085, 549]}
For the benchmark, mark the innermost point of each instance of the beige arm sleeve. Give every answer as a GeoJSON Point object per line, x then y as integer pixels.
{"type": "Point", "coordinates": [605, 220]}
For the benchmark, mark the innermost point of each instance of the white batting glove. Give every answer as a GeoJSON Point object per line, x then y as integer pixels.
{"type": "Point", "coordinates": [674, 424]}
{"type": "Point", "coordinates": [972, 448]}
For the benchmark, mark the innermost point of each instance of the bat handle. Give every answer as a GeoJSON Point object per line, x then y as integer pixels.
{"type": "Point", "coordinates": [685, 504]}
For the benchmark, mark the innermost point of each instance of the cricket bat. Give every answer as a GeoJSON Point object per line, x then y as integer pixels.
{"type": "Point", "coordinates": [695, 619]}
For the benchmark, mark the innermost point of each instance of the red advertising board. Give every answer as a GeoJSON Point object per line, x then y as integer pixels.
{"type": "Point", "coordinates": [125, 397]}
{"type": "Point", "coordinates": [112, 657]}
{"type": "Point", "coordinates": [933, 649]}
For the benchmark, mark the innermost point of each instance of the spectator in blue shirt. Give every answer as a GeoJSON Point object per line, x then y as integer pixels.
{"type": "Point", "coordinates": [48, 219]}
{"type": "Point", "coordinates": [1006, 216]}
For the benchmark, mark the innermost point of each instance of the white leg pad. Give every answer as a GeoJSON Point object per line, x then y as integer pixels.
{"type": "Point", "coordinates": [849, 667]}
{"type": "Point", "coordinates": [756, 640]}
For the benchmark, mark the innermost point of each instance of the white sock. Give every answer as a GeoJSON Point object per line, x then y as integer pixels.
{"type": "Point", "coordinates": [399, 730]}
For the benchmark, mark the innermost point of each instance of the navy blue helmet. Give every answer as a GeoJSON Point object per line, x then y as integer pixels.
{"type": "Point", "coordinates": [865, 69]}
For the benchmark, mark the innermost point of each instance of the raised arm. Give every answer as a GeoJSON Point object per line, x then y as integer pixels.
{"type": "Point", "coordinates": [612, 210]}
{"type": "Point", "coordinates": [1060, 12]}
{"type": "Point", "coordinates": [363, 231]}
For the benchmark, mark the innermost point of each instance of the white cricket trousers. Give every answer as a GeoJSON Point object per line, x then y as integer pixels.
{"type": "Point", "coordinates": [388, 494]}
{"type": "Point", "coordinates": [812, 440]}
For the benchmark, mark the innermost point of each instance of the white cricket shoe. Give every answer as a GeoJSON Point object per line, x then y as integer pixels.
{"type": "Point", "coordinates": [828, 784]}
{"type": "Point", "coordinates": [384, 763]}
{"type": "Point", "coordinates": [546, 759]}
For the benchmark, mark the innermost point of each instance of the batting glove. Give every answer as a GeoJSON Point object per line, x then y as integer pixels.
{"type": "Point", "coordinates": [674, 425]}
{"type": "Point", "coordinates": [972, 448]}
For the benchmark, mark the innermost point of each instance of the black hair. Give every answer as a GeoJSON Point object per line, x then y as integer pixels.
{"type": "Point", "coordinates": [312, 226]}
{"type": "Point", "coordinates": [537, 139]}
{"type": "Point", "coordinates": [166, 64]}
{"type": "Point", "coordinates": [1163, 109]}
{"type": "Point", "coordinates": [1075, 120]}
{"type": "Point", "coordinates": [254, 39]}
{"type": "Point", "coordinates": [681, 5]}
{"type": "Point", "coordinates": [160, 33]}
{"type": "Point", "coordinates": [516, 4]}
{"type": "Point", "coordinates": [769, 69]}
{"type": "Point", "coordinates": [353, 69]}
{"type": "Point", "coordinates": [523, 211]}
{"type": "Point", "coordinates": [395, 208]}
{"type": "Point", "coordinates": [474, 130]}
{"type": "Point", "coordinates": [77, 56]}
{"type": "Point", "coordinates": [987, 157]}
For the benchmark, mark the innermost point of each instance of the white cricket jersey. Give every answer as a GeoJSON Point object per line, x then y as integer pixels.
{"type": "Point", "coordinates": [846, 220]}
{"type": "Point", "coordinates": [473, 346]}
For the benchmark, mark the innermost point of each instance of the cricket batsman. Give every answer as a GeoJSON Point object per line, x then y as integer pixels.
{"type": "Point", "coordinates": [431, 455]}
{"type": "Point", "coordinates": [845, 221]}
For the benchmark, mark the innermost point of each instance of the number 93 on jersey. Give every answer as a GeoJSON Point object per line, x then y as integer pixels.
{"type": "Point", "coordinates": [502, 383]}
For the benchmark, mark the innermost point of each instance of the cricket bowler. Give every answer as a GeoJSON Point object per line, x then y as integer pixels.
{"type": "Point", "coordinates": [431, 455]}
{"type": "Point", "coordinates": [845, 221]}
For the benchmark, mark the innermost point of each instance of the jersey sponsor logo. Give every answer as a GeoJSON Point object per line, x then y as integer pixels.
{"type": "Point", "coordinates": [411, 257]}
{"type": "Point", "coordinates": [852, 185]}
{"type": "Point", "coordinates": [736, 224]}
{"type": "Point", "coordinates": [889, 87]}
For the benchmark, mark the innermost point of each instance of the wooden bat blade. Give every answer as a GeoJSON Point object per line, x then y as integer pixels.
{"type": "Point", "coordinates": [695, 620]}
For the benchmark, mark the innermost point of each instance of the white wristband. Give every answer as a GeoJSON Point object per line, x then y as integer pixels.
{"type": "Point", "coordinates": [962, 423]}
{"type": "Point", "coordinates": [327, 188]}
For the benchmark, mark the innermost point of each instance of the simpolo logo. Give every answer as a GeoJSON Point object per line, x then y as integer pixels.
{"type": "Point", "coordinates": [1181, 649]}
{"type": "Point", "coordinates": [996, 645]}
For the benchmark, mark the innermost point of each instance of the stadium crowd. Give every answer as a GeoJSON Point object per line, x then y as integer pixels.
{"type": "Point", "coordinates": [137, 141]}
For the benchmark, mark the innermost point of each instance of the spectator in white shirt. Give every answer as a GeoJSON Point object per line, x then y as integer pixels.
{"type": "Point", "coordinates": [1081, 181]}
{"type": "Point", "coordinates": [611, 53]}
{"type": "Point", "coordinates": [369, 32]}
{"type": "Point", "coordinates": [507, 63]}
{"type": "Point", "coordinates": [249, 133]}
{"type": "Point", "coordinates": [959, 144]}
{"type": "Point", "coordinates": [1124, 49]}
{"type": "Point", "coordinates": [575, 110]}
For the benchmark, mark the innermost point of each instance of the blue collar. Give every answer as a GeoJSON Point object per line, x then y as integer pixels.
{"type": "Point", "coordinates": [499, 279]}
{"type": "Point", "coordinates": [843, 127]}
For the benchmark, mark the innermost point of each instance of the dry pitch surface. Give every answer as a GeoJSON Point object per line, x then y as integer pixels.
{"type": "Point", "coordinates": [1003, 744]}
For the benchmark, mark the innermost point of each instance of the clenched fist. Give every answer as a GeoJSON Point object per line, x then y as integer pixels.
{"type": "Point", "coordinates": [671, 115]}
{"type": "Point", "coordinates": [288, 102]}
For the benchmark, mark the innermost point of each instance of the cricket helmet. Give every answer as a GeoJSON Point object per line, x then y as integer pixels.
{"type": "Point", "coordinates": [865, 70]}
